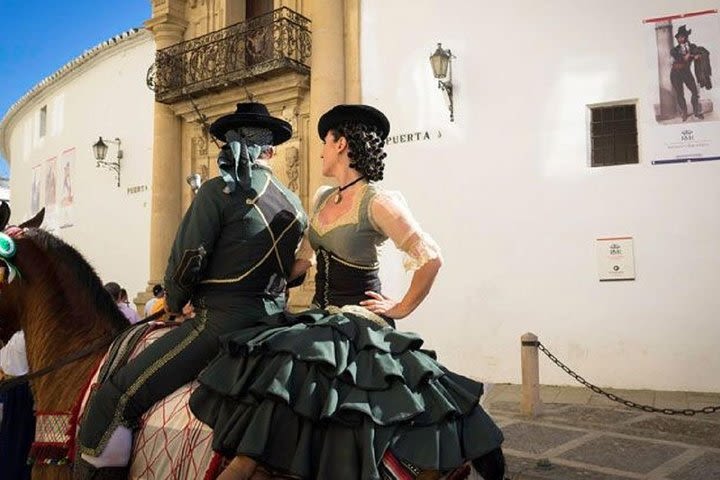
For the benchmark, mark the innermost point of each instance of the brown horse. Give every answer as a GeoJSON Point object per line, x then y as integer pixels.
{"type": "Point", "coordinates": [60, 303]}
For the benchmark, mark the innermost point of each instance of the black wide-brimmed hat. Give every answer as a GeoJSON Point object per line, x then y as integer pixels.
{"type": "Point", "coordinates": [364, 114]}
{"type": "Point", "coordinates": [683, 32]}
{"type": "Point", "coordinates": [252, 114]}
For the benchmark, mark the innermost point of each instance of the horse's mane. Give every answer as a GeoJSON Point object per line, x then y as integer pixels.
{"type": "Point", "coordinates": [70, 259]}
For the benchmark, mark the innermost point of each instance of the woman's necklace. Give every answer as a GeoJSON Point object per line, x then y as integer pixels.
{"type": "Point", "coordinates": [338, 195]}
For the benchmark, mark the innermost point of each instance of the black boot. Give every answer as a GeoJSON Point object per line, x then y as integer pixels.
{"type": "Point", "coordinates": [82, 470]}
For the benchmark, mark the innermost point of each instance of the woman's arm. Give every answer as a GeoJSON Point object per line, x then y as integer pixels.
{"type": "Point", "coordinates": [393, 218]}
{"type": "Point", "coordinates": [304, 258]}
{"type": "Point", "coordinates": [422, 282]}
{"type": "Point", "coordinates": [300, 268]}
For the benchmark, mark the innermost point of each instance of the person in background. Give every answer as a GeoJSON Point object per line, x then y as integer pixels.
{"type": "Point", "coordinates": [17, 428]}
{"type": "Point", "coordinates": [124, 297]}
{"type": "Point", "coordinates": [158, 292]}
{"type": "Point", "coordinates": [115, 292]}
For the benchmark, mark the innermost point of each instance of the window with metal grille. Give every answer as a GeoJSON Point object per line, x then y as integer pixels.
{"type": "Point", "coordinates": [613, 135]}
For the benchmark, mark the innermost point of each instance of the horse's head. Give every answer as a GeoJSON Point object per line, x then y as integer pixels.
{"type": "Point", "coordinates": [10, 272]}
{"type": "Point", "coordinates": [47, 282]}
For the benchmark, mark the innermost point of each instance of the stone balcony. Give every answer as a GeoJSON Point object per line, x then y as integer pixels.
{"type": "Point", "coordinates": [267, 45]}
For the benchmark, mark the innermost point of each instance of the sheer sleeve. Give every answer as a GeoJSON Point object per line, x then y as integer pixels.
{"type": "Point", "coordinates": [391, 216]}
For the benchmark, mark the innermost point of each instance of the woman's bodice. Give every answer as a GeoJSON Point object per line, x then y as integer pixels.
{"type": "Point", "coordinates": [346, 251]}
{"type": "Point", "coordinates": [353, 236]}
{"type": "Point", "coordinates": [346, 248]}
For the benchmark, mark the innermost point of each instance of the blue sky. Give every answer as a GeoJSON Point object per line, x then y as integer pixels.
{"type": "Point", "coordinates": [37, 38]}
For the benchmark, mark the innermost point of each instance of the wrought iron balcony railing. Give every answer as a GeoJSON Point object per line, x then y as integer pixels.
{"type": "Point", "coordinates": [277, 41]}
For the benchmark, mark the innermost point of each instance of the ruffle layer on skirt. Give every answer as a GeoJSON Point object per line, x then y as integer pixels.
{"type": "Point", "coordinates": [323, 396]}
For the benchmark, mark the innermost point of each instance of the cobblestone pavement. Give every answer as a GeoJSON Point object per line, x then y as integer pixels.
{"type": "Point", "coordinates": [584, 436]}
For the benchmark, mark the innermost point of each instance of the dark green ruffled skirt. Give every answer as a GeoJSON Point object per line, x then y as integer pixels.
{"type": "Point", "coordinates": [323, 396]}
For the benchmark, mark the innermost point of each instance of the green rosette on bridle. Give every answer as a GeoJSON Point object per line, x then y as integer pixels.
{"type": "Point", "coordinates": [7, 252]}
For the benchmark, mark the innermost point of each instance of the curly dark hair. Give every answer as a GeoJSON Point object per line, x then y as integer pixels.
{"type": "Point", "coordinates": [365, 148]}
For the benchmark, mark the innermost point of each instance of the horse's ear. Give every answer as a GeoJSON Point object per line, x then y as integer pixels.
{"type": "Point", "coordinates": [34, 222]}
{"type": "Point", "coordinates": [4, 215]}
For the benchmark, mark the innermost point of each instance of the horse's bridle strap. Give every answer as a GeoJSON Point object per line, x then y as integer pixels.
{"type": "Point", "coordinates": [94, 347]}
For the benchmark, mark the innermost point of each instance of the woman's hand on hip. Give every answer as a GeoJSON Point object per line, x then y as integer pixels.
{"type": "Point", "coordinates": [382, 305]}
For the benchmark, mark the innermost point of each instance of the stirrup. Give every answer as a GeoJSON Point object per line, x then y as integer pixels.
{"type": "Point", "coordinates": [82, 470]}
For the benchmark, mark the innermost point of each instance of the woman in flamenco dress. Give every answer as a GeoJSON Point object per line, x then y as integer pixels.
{"type": "Point", "coordinates": [336, 392]}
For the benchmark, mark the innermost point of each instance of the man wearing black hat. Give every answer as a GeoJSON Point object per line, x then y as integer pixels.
{"type": "Point", "coordinates": [683, 55]}
{"type": "Point", "coordinates": [231, 258]}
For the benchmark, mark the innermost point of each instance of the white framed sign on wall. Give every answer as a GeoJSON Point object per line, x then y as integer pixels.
{"type": "Point", "coordinates": [616, 260]}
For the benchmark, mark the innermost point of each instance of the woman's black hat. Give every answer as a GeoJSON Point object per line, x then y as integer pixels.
{"type": "Point", "coordinates": [364, 114]}
{"type": "Point", "coordinates": [252, 114]}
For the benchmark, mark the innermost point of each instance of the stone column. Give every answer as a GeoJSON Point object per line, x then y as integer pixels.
{"type": "Point", "coordinates": [668, 105]}
{"type": "Point", "coordinates": [167, 181]}
{"type": "Point", "coordinates": [327, 76]}
{"type": "Point", "coordinates": [353, 92]}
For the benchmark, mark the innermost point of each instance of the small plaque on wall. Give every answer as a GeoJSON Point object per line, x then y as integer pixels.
{"type": "Point", "coordinates": [616, 260]}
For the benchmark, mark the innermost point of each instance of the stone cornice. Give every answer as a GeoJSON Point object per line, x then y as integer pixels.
{"type": "Point", "coordinates": [275, 93]}
{"type": "Point", "coordinates": [166, 22]}
{"type": "Point", "coordinates": [61, 74]}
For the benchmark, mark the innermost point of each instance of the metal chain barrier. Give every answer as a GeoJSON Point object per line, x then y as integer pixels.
{"type": "Point", "coordinates": [628, 403]}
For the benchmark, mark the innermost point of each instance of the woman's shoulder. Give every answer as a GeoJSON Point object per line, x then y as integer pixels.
{"type": "Point", "coordinates": [388, 206]}
{"type": "Point", "coordinates": [383, 198]}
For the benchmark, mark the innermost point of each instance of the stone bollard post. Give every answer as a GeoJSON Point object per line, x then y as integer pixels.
{"type": "Point", "coordinates": [530, 403]}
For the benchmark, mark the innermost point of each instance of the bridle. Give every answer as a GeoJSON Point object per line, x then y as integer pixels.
{"type": "Point", "coordinates": [95, 347]}
{"type": "Point", "coordinates": [7, 251]}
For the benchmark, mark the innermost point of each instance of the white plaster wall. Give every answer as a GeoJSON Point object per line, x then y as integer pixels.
{"type": "Point", "coordinates": [508, 194]}
{"type": "Point", "coordinates": [107, 96]}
